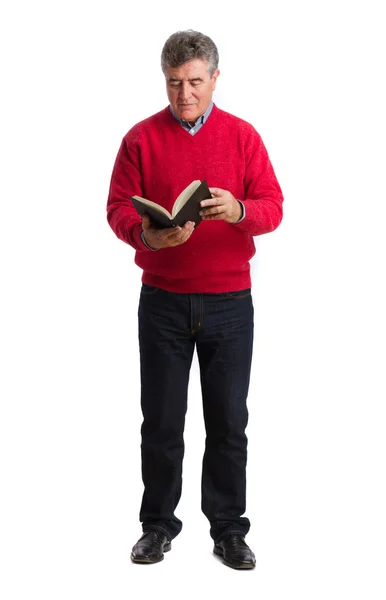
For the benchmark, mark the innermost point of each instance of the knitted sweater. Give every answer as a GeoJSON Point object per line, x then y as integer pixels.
{"type": "Point", "coordinates": [157, 159]}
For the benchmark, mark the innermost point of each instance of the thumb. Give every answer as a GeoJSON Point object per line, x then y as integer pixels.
{"type": "Point", "coordinates": [146, 223]}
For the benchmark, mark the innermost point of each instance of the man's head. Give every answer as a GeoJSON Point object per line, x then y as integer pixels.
{"type": "Point", "coordinates": [189, 61]}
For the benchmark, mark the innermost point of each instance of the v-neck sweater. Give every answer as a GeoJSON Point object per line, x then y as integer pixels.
{"type": "Point", "coordinates": [157, 159]}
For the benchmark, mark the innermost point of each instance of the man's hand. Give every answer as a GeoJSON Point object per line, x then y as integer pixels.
{"type": "Point", "coordinates": [165, 238]}
{"type": "Point", "coordinates": [222, 206]}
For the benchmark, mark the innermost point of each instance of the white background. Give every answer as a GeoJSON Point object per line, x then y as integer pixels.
{"type": "Point", "coordinates": [75, 77]}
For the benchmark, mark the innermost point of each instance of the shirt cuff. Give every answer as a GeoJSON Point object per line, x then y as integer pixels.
{"type": "Point", "coordinates": [242, 214]}
{"type": "Point", "coordinates": [146, 244]}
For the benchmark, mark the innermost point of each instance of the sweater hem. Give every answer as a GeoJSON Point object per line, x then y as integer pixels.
{"type": "Point", "coordinates": [222, 283]}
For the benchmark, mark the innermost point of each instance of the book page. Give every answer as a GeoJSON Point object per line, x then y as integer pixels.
{"type": "Point", "coordinates": [184, 196]}
{"type": "Point", "coordinates": [154, 205]}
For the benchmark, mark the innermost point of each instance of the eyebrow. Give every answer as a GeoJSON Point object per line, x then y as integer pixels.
{"type": "Point", "coordinates": [173, 79]}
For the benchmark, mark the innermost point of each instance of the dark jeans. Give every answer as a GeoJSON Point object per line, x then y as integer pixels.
{"type": "Point", "coordinates": [221, 328]}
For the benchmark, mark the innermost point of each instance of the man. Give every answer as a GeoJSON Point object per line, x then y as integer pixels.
{"type": "Point", "coordinates": [196, 292]}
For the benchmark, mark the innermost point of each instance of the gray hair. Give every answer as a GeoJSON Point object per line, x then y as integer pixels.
{"type": "Point", "coordinates": [183, 46]}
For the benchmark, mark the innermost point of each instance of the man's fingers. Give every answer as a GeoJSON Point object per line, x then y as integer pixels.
{"type": "Point", "coordinates": [170, 232]}
{"type": "Point", "coordinates": [213, 211]}
{"type": "Point", "coordinates": [215, 191]}
{"type": "Point", "coordinates": [184, 233]}
{"type": "Point", "coordinates": [180, 231]}
{"type": "Point", "coordinates": [170, 236]}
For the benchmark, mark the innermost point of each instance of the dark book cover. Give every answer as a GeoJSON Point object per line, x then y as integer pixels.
{"type": "Point", "coordinates": [189, 212]}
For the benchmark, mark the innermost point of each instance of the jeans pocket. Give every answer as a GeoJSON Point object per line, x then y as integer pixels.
{"type": "Point", "coordinates": [239, 294]}
{"type": "Point", "coordinates": [148, 290]}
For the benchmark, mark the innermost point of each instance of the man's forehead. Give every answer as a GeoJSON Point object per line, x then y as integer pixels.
{"type": "Point", "coordinates": [196, 69]}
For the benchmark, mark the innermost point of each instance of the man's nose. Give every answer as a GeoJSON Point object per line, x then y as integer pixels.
{"type": "Point", "coordinates": [184, 90]}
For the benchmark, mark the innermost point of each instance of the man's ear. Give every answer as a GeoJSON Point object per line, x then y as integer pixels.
{"type": "Point", "coordinates": [214, 78]}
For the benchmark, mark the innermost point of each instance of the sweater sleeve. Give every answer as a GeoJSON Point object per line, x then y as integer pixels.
{"type": "Point", "coordinates": [126, 181]}
{"type": "Point", "coordinates": [263, 196]}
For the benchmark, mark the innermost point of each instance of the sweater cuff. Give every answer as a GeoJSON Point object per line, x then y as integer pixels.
{"type": "Point", "coordinates": [242, 213]}
{"type": "Point", "coordinates": [146, 244]}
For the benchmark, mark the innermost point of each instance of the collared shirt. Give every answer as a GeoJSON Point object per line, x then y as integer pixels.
{"type": "Point", "coordinates": [193, 129]}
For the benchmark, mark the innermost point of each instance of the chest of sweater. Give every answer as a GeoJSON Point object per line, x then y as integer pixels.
{"type": "Point", "coordinates": [171, 158]}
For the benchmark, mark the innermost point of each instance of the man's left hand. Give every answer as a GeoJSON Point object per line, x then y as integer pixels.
{"type": "Point", "coordinates": [221, 206]}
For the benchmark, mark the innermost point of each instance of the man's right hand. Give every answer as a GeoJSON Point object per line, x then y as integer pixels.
{"type": "Point", "coordinates": [165, 238]}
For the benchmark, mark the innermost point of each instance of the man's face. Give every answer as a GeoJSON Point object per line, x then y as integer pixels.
{"type": "Point", "coordinates": [190, 89]}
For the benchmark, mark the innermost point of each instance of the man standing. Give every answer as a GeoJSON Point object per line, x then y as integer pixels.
{"type": "Point", "coordinates": [196, 292]}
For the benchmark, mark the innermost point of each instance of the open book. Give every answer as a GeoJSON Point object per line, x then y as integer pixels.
{"type": "Point", "coordinates": [185, 208]}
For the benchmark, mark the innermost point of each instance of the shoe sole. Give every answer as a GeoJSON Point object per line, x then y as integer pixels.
{"type": "Point", "coordinates": [219, 552]}
{"type": "Point", "coordinates": [150, 561]}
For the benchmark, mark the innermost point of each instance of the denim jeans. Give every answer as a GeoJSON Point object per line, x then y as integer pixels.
{"type": "Point", "coordinates": [220, 326]}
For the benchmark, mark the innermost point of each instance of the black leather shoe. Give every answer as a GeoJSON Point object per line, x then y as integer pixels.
{"type": "Point", "coordinates": [150, 548]}
{"type": "Point", "coordinates": [235, 552]}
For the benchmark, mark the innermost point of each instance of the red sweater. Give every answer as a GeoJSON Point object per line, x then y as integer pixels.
{"type": "Point", "coordinates": [157, 159]}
